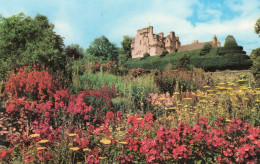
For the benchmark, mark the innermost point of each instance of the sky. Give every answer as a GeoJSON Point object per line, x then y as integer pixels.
{"type": "Point", "coordinates": [81, 21]}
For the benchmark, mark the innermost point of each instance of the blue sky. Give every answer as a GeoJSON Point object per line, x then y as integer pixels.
{"type": "Point", "coordinates": [81, 21]}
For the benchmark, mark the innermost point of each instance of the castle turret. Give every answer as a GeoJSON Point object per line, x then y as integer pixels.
{"type": "Point", "coordinates": [161, 34]}
{"type": "Point", "coordinates": [172, 34]}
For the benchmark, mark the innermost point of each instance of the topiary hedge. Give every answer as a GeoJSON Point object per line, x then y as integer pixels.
{"type": "Point", "coordinates": [217, 59]}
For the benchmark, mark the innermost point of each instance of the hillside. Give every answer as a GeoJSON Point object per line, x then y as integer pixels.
{"type": "Point", "coordinates": [219, 58]}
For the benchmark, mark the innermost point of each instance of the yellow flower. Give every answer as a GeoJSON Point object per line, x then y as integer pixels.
{"type": "Point", "coordinates": [206, 87]}
{"type": "Point", "coordinates": [70, 144]}
{"type": "Point", "coordinates": [161, 99]}
{"type": "Point", "coordinates": [221, 83]}
{"type": "Point", "coordinates": [242, 80]}
{"type": "Point", "coordinates": [74, 148]}
{"type": "Point", "coordinates": [157, 103]}
{"type": "Point", "coordinates": [86, 149]}
{"type": "Point", "coordinates": [257, 101]}
{"type": "Point", "coordinates": [43, 141]}
{"type": "Point", "coordinates": [229, 88]}
{"type": "Point", "coordinates": [123, 143]}
{"type": "Point", "coordinates": [172, 108]}
{"type": "Point", "coordinates": [176, 93]}
{"type": "Point", "coordinates": [222, 88]}
{"type": "Point", "coordinates": [227, 120]}
{"type": "Point", "coordinates": [252, 110]}
{"type": "Point", "coordinates": [105, 141]}
{"type": "Point", "coordinates": [203, 101]}
{"type": "Point", "coordinates": [218, 93]}
{"type": "Point", "coordinates": [41, 148]}
{"type": "Point", "coordinates": [72, 134]}
{"type": "Point", "coordinates": [102, 158]}
{"type": "Point", "coordinates": [210, 90]}
{"type": "Point", "coordinates": [246, 99]}
{"type": "Point", "coordinates": [34, 135]}
{"type": "Point", "coordinates": [139, 119]}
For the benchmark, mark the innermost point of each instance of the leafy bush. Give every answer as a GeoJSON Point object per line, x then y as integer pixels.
{"type": "Point", "coordinates": [183, 61]}
{"type": "Point", "coordinates": [209, 62]}
{"type": "Point", "coordinates": [230, 41]}
{"type": "Point", "coordinates": [137, 72]}
{"type": "Point", "coordinates": [146, 55]}
{"type": "Point", "coordinates": [180, 80]}
{"type": "Point", "coordinates": [164, 53]}
{"type": "Point", "coordinates": [206, 48]}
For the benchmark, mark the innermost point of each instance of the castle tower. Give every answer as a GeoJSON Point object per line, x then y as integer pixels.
{"type": "Point", "coordinates": [215, 41]}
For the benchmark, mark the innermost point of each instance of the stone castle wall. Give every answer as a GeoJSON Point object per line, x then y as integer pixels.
{"type": "Point", "coordinates": [154, 44]}
{"type": "Point", "coordinates": [145, 41]}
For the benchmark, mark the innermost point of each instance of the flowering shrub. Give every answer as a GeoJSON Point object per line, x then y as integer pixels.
{"type": "Point", "coordinates": [110, 67]}
{"type": "Point", "coordinates": [179, 80]}
{"type": "Point", "coordinates": [48, 124]}
{"type": "Point", "coordinates": [137, 72]}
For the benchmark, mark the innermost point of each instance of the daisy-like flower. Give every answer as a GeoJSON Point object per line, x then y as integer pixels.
{"type": "Point", "coordinates": [34, 135]}
{"type": "Point", "coordinates": [101, 158]}
{"type": "Point", "coordinates": [87, 149]}
{"type": "Point", "coordinates": [41, 148]}
{"type": "Point", "coordinates": [43, 141]}
{"type": "Point", "coordinates": [105, 141]}
{"type": "Point", "coordinates": [72, 134]}
{"type": "Point", "coordinates": [74, 148]}
{"type": "Point", "coordinates": [123, 143]}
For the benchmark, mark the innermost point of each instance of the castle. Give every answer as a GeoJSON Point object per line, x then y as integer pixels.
{"type": "Point", "coordinates": [155, 44]}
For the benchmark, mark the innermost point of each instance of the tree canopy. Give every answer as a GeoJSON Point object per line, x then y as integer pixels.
{"type": "Point", "coordinates": [257, 26]}
{"type": "Point", "coordinates": [74, 51]}
{"type": "Point", "coordinates": [230, 41]}
{"type": "Point", "coordinates": [125, 50]}
{"type": "Point", "coordinates": [103, 49]}
{"type": "Point", "coordinates": [25, 41]}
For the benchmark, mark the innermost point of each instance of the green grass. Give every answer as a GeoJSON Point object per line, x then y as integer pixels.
{"type": "Point", "coordinates": [232, 59]}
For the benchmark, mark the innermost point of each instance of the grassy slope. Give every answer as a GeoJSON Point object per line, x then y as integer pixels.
{"type": "Point", "coordinates": [210, 61]}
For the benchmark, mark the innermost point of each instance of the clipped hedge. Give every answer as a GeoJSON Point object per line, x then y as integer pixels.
{"type": "Point", "coordinates": [220, 58]}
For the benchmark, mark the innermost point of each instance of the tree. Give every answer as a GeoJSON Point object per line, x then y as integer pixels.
{"type": "Point", "coordinates": [230, 41]}
{"type": "Point", "coordinates": [206, 48]}
{"type": "Point", "coordinates": [74, 51]}
{"type": "Point", "coordinates": [102, 48]}
{"type": "Point", "coordinates": [125, 50]}
{"type": "Point", "coordinates": [25, 41]}
{"type": "Point", "coordinates": [255, 56]}
{"type": "Point", "coordinates": [257, 26]}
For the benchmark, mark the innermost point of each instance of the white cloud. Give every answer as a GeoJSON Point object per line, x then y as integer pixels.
{"type": "Point", "coordinates": [65, 30]}
{"type": "Point", "coordinates": [173, 15]}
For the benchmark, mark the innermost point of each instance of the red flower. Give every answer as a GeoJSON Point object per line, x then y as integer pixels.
{"type": "Point", "coordinates": [29, 158]}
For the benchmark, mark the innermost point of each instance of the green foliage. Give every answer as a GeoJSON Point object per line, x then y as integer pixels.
{"type": "Point", "coordinates": [227, 61]}
{"type": "Point", "coordinates": [25, 41]}
{"type": "Point", "coordinates": [102, 49]}
{"type": "Point", "coordinates": [255, 56]}
{"type": "Point", "coordinates": [231, 50]}
{"type": "Point", "coordinates": [231, 58]}
{"type": "Point", "coordinates": [146, 55]}
{"type": "Point", "coordinates": [125, 50]}
{"type": "Point", "coordinates": [183, 61]}
{"type": "Point", "coordinates": [257, 26]}
{"type": "Point", "coordinates": [230, 41]}
{"type": "Point", "coordinates": [74, 51]}
{"type": "Point", "coordinates": [171, 81]}
{"type": "Point", "coordinates": [206, 49]}
{"type": "Point", "coordinates": [164, 53]}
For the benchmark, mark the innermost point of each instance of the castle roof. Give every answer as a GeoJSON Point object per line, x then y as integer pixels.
{"type": "Point", "coordinates": [193, 46]}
